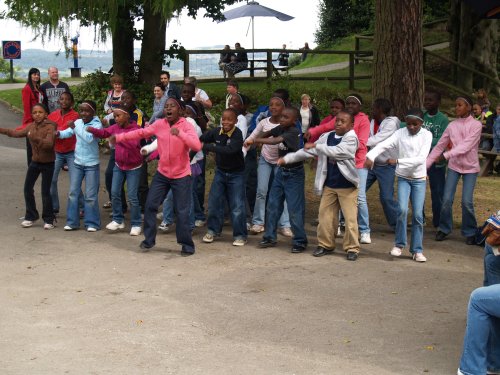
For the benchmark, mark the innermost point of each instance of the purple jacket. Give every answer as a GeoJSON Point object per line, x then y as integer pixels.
{"type": "Point", "coordinates": [127, 154]}
{"type": "Point", "coordinates": [459, 145]}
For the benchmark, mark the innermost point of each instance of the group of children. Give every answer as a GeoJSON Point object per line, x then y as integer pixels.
{"type": "Point", "coordinates": [345, 168]}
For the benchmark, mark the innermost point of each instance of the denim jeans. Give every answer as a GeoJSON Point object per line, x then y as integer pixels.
{"type": "Point", "coordinates": [384, 174]}
{"type": "Point", "coordinates": [108, 179]}
{"type": "Point", "coordinates": [437, 179]}
{"type": "Point", "coordinates": [413, 190]}
{"type": "Point", "coordinates": [491, 267]}
{"type": "Point", "coordinates": [251, 180]}
{"type": "Point", "coordinates": [362, 205]}
{"type": "Point", "coordinates": [469, 223]}
{"type": "Point", "coordinates": [481, 350]}
{"type": "Point", "coordinates": [182, 194]}
{"type": "Point", "coordinates": [34, 170]}
{"type": "Point", "coordinates": [132, 177]}
{"type": "Point", "coordinates": [92, 217]}
{"type": "Point", "coordinates": [264, 172]}
{"type": "Point", "coordinates": [230, 187]}
{"type": "Point", "coordinates": [288, 185]}
{"type": "Point", "coordinates": [67, 158]}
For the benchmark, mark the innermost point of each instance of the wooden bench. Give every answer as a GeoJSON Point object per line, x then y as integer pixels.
{"type": "Point", "coordinates": [489, 157]}
{"type": "Point", "coordinates": [252, 68]}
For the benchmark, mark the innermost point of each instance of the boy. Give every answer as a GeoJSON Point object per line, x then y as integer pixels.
{"type": "Point", "coordinates": [229, 179]}
{"type": "Point", "coordinates": [232, 88]}
{"type": "Point", "coordinates": [288, 182]}
{"type": "Point", "coordinates": [337, 182]}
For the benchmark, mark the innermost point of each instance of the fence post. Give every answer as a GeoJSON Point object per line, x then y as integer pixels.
{"type": "Point", "coordinates": [351, 71]}
{"type": "Point", "coordinates": [186, 65]}
{"type": "Point", "coordinates": [252, 66]}
{"type": "Point", "coordinates": [269, 64]}
{"type": "Point", "coordinates": [356, 48]}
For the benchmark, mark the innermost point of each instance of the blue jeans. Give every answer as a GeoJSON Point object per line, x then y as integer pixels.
{"type": "Point", "coordinates": [491, 267]}
{"type": "Point", "coordinates": [481, 350]}
{"type": "Point", "coordinates": [182, 194]}
{"type": "Point", "coordinates": [469, 224]}
{"type": "Point", "coordinates": [227, 186]}
{"type": "Point", "coordinates": [264, 172]}
{"type": "Point", "coordinates": [384, 174]}
{"type": "Point", "coordinates": [288, 185]}
{"type": "Point", "coordinates": [92, 217]}
{"type": "Point", "coordinates": [437, 180]}
{"type": "Point", "coordinates": [132, 177]}
{"type": "Point", "coordinates": [67, 158]}
{"type": "Point", "coordinates": [413, 190]}
{"type": "Point", "coordinates": [108, 179]}
{"type": "Point", "coordinates": [362, 205]}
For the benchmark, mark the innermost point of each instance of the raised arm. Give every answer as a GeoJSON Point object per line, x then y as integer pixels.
{"type": "Point", "coordinates": [13, 133]}
{"type": "Point", "coordinates": [421, 156]}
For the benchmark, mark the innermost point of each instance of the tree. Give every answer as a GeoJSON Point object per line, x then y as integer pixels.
{"type": "Point", "coordinates": [398, 54]}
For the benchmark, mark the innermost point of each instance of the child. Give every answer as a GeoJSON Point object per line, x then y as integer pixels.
{"type": "Point", "coordinates": [288, 182]}
{"type": "Point", "coordinates": [175, 138]}
{"type": "Point", "coordinates": [412, 145]}
{"type": "Point", "coordinates": [337, 182]}
{"type": "Point", "coordinates": [229, 179]}
{"type": "Point", "coordinates": [496, 130]}
{"type": "Point", "coordinates": [128, 162]}
{"type": "Point", "coordinates": [41, 135]}
{"type": "Point", "coordinates": [86, 167]}
{"type": "Point", "coordinates": [483, 101]}
{"type": "Point", "coordinates": [436, 122]}
{"type": "Point", "coordinates": [64, 148]}
{"type": "Point", "coordinates": [236, 103]}
{"type": "Point", "coordinates": [459, 145]}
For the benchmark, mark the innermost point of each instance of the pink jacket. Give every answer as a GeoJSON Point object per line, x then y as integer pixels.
{"type": "Point", "coordinates": [173, 149]}
{"type": "Point", "coordinates": [461, 140]}
{"type": "Point", "coordinates": [361, 128]}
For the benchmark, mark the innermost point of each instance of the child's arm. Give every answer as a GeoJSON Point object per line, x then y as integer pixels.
{"type": "Point", "coordinates": [13, 133]}
{"type": "Point", "coordinates": [48, 141]}
{"type": "Point", "coordinates": [188, 135]}
{"type": "Point", "coordinates": [468, 144]}
{"type": "Point", "coordinates": [436, 152]}
{"type": "Point", "coordinates": [346, 149]}
{"type": "Point", "coordinates": [315, 132]}
{"type": "Point", "coordinates": [297, 156]}
{"type": "Point", "coordinates": [255, 133]}
{"type": "Point", "coordinates": [421, 156]}
{"type": "Point", "coordinates": [389, 143]}
{"type": "Point", "coordinates": [209, 136]}
{"type": "Point", "coordinates": [85, 135]}
{"type": "Point", "coordinates": [102, 133]}
{"type": "Point", "coordinates": [265, 140]}
{"type": "Point", "coordinates": [137, 134]}
{"type": "Point", "coordinates": [386, 129]}
{"type": "Point", "coordinates": [149, 148]}
{"type": "Point", "coordinates": [229, 149]}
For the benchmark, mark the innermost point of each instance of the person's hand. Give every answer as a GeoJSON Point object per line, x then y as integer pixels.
{"type": "Point", "coordinates": [392, 161]}
{"type": "Point", "coordinates": [281, 161]}
{"type": "Point", "coordinates": [248, 143]}
{"type": "Point", "coordinates": [307, 135]}
{"type": "Point", "coordinates": [144, 152]}
{"type": "Point", "coordinates": [71, 124]}
{"type": "Point", "coordinates": [87, 129]}
{"type": "Point", "coordinates": [440, 158]}
{"type": "Point", "coordinates": [112, 139]}
{"type": "Point", "coordinates": [368, 164]}
{"type": "Point", "coordinates": [174, 131]}
{"type": "Point", "coordinates": [105, 122]}
{"type": "Point", "coordinates": [309, 145]}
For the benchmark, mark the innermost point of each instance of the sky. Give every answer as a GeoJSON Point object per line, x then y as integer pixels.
{"type": "Point", "coordinates": [203, 32]}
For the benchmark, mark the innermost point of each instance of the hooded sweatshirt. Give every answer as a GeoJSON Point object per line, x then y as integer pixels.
{"type": "Point", "coordinates": [87, 146]}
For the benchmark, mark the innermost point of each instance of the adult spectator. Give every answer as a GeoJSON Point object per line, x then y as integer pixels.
{"type": "Point", "coordinates": [306, 49]}
{"type": "Point", "coordinates": [309, 115]}
{"type": "Point", "coordinates": [225, 58]}
{"type": "Point", "coordinates": [52, 89]}
{"type": "Point", "coordinates": [171, 89]}
{"type": "Point", "coordinates": [114, 97]}
{"type": "Point", "coordinates": [158, 102]}
{"type": "Point", "coordinates": [199, 94]}
{"type": "Point", "coordinates": [283, 57]}
{"type": "Point", "coordinates": [238, 63]}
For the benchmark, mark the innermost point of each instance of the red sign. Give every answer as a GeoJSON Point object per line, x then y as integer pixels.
{"type": "Point", "coordinates": [11, 50]}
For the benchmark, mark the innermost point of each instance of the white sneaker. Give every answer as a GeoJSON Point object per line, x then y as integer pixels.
{"type": "Point", "coordinates": [48, 226]}
{"type": "Point", "coordinates": [239, 242]}
{"type": "Point", "coordinates": [115, 226]}
{"type": "Point", "coordinates": [256, 229]}
{"type": "Point", "coordinates": [159, 216]}
{"type": "Point", "coordinates": [365, 238]}
{"type": "Point", "coordinates": [27, 223]}
{"type": "Point", "coordinates": [287, 232]}
{"type": "Point", "coordinates": [68, 228]}
{"type": "Point", "coordinates": [164, 227]}
{"type": "Point", "coordinates": [135, 231]}
{"type": "Point", "coordinates": [396, 251]}
{"type": "Point", "coordinates": [419, 257]}
{"type": "Point", "coordinates": [208, 238]}
{"type": "Point", "coordinates": [91, 229]}
{"type": "Point", "coordinates": [199, 223]}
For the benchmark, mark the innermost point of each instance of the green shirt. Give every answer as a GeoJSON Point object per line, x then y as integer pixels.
{"type": "Point", "coordinates": [436, 124]}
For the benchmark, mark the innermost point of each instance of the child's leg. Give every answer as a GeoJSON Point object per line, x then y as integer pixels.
{"type": "Point", "coordinates": [168, 209]}
{"type": "Point", "coordinates": [263, 175]}
{"type": "Point", "coordinates": [251, 179]}
{"type": "Point", "coordinates": [143, 189]}
{"type": "Point", "coordinates": [437, 180]}
{"type": "Point", "coordinates": [363, 215]}
{"type": "Point", "coordinates": [404, 189]}
{"type": "Point", "coordinates": [328, 218]}
{"type": "Point", "coordinates": [293, 184]}
{"type": "Point", "coordinates": [274, 207]}
{"type": "Point", "coordinates": [237, 204]}
{"type": "Point", "coordinates": [348, 199]}
{"type": "Point", "coordinates": [47, 171]}
{"type": "Point", "coordinates": [133, 177]}
{"type": "Point", "coordinates": [59, 162]}
{"type": "Point", "coordinates": [469, 223]}
{"type": "Point", "coordinates": [160, 186]}
{"type": "Point", "coordinates": [92, 218]}
{"type": "Point", "coordinates": [446, 215]}
{"type": "Point", "coordinates": [417, 197]}
{"type": "Point", "coordinates": [198, 211]}
{"type": "Point", "coordinates": [116, 194]}
{"type": "Point", "coordinates": [216, 202]}
{"type": "Point", "coordinates": [181, 188]}
{"type": "Point", "coordinates": [108, 175]}
{"type": "Point", "coordinates": [29, 195]}
{"type": "Point", "coordinates": [385, 176]}
{"type": "Point", "coordinates": [284, 221]}
{"type": "Point", "coordinates": [75, 189]}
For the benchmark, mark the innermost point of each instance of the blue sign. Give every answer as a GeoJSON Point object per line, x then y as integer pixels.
{"type": "Point", "coordinates": [11, 50]}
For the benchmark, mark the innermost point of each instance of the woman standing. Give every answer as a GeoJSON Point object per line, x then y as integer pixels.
{"type": "Point", "coordinates": [115, 95]}
{"type": "Point", "coordinates": [158, 102]}
{"type": "Point", "coordinates": [309, 116]}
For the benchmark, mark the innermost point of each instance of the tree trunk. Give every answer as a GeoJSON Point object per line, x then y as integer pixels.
{"type": "Point", "coordinates": [398, 54]}
{"type": "Point", "coordinates": [466, 43]}
{"type": "Point", "coordinates": [485, 51]}
{"type": "Point", "coordinates": [123, 44]}
{"type": "Point", "coordinates": [153, 46]}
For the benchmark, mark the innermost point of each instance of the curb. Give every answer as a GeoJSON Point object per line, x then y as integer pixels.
{"type": "Point", "coordinates": [11, 107]}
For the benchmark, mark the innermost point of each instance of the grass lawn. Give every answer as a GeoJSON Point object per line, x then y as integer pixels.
{"type": "Point", "coordinates": [13, 97]}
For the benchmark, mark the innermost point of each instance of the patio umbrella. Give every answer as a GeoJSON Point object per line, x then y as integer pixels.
{"type": "Point", "coordinates": [254, 9]}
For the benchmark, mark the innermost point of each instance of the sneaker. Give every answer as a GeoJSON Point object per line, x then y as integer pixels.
{"type": "Point", "coordinates": [135, 231]}
{"type": "Point", "coordinates": [27, 223]}
{"type": "Point", "coordinates": [68, 228]}
{"type": "Point", "coordinates": [396, 251]}
{"type": "Point", "coordinates": [256, 229]}
{"type": "Point", "coordinates": [341, 231]}
{"type": "Point", "coordinates": [91, 229]}
{"type": "Point", "coordinates": [159, 216]}
{"type": "Point", "coordinates": [199, 223]}
{"type": "Point", "coordinates": [164, 227]}
{"type": "Point", "coordinates": [208, 238]}
{"type": "Point", "coordinates": [48, 226]}
{"type": "Point", "coordinates": [239, 242]}
{"type": "Point", "coordinates": [287, 232]}
{"type": "Point", "coordinates": [114, 226]}
{"type": "Point", "coordinates": [419, 257]}
{"type": "Point", "coordinates": [365, 238]}
{"type": "Point", "coordinates": [107, 205]}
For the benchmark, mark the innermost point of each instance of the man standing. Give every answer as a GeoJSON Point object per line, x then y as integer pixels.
{"type": "Point", "coordinates": [52, 89]}
{"type": "Point", "coordinates": [171, 90]}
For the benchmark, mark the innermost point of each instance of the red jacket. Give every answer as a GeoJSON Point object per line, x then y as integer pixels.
{"type": "Point", "coordinates": [67, 144]}
{"type": "Point", "coordinates": [30, 98]}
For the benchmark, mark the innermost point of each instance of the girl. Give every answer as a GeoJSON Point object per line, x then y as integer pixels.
{"type": "Point", "coordinates": [64, 148]}
{"type": "Point", "coordinates": [459, 145]}
{"type": "Point", "coordinates": [128, 162]}
{"type": "Point", "coordinates": [86, 167]}
{"type": "Point", "coordinates": [267, 166]}
{"type": "Point", "coordinates": [309, 115]}
{"type": "Point", "coordinates": [175, 138]}
{"type": "Point", "coordinates": [115, 95]}
{"type": "Point", "coordinates": [237, 104]}
{"type": "Point", "coordinates": [40, 133]}
{"type": "Point", "coordinates": [31, 95]}
{"type": "Point", "coordinates": [412, 145]}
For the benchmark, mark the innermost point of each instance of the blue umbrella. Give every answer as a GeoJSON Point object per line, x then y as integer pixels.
{"type": "Point", "coordinates": [254, 9]}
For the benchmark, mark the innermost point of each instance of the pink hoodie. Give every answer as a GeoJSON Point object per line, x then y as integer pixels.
{"type": "Point", "coordinates": [461, 139]}
{"type": "Point", "coordinates": [173, 149]}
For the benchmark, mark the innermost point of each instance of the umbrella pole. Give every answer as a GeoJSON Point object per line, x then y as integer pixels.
{"type": "Point", "coordinates": [253, 42]}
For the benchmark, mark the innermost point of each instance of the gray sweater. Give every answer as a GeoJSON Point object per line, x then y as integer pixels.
{"type": "Point", "coordinates": [387, 128]}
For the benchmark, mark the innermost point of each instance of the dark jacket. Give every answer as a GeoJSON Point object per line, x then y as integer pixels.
{"type": "Point", "coordinates": [227, 148]}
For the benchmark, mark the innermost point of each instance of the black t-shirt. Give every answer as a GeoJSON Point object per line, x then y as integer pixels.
{"type": "Point", "coordinates": [291, 142]}
{"type": "Point", "coordinates": [52, 94]}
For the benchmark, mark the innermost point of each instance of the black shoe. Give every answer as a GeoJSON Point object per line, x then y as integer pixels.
{"type": "Point", "coordinates": [440, 236]}
{"type": "Point", "coordinates": [470, 240]}
{"type": "Point", "coordinates": [266, 243]}
{"type": "Point", "coordinates": [351, 255]}
{"type": "Point", "coordinates": [144, 247]}
{"type": "Point", "coordinates": [297, 249]}
{"type": "Point", "coordinates": [186, 253]}
{"type": "Point", "coordinates": [320, 251]}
